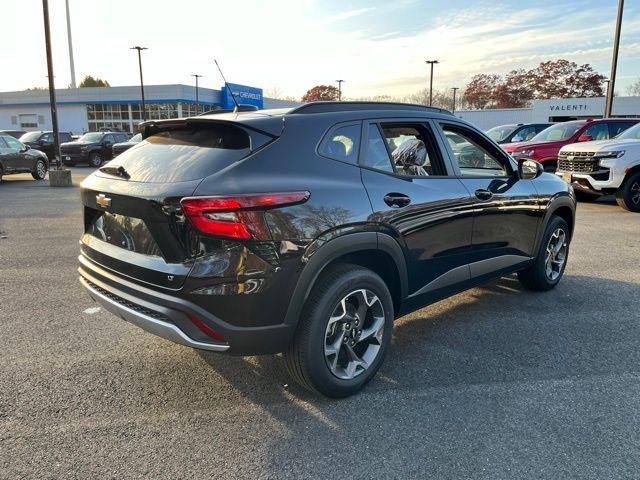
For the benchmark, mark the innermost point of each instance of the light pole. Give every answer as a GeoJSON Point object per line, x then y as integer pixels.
{"type": "Point", "coordinates": [52, 88]}
{"type": "Point", "coordinates": [144, 111]}
{"type": "Point", "coordinates": [340, 82]}
{"type": "Point", "coordinates": [614, 61]}
{"type": "Point", "coordinates": [197, 101]}
{"type": "Point", "coordinates": [432, 63]}
{"type": "Point", "coordinates": [70, 44]}
{"type": "Point", "coordinates": [455, 89]}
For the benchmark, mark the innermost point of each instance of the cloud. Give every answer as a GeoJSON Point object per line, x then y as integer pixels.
{"type": "Point", "coordinates": [345, 15]}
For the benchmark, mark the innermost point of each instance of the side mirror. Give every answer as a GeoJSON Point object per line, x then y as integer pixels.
{"type": "Point", "coordinates": [529, 169]}
{"type": "Point", "coordinates": [585, 138]}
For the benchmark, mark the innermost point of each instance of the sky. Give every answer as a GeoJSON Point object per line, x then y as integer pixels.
{"type": "Point", "coordinates": [377, 47]}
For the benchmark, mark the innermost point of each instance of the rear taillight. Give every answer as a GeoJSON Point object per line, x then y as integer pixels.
{"type": "Point", "coordinates": [238, 216]}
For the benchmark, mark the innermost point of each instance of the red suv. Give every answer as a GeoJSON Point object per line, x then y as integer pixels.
{"type": "Point", "coordinates": [544, 147]}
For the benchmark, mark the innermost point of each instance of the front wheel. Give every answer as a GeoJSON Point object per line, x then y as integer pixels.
{"type": "Point", "coordinates": [344, 332]}
{"type": "Point", "coordinates": [95, 160]}
{"type": "Point", "coordinates": [548, 266]}
{"type": "Point", "coordinates": [40, 171]}
{"type": "Point", "coordinates": [628, 196]}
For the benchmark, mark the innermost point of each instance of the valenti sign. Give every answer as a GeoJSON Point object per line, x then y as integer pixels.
{"type": "Point", "coordinates": [561, 107]}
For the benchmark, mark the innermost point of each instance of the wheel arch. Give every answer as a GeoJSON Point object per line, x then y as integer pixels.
{"type": "Point", "coordinates": [630, 171]}
{"type": "Point", "coordinates": [563, 206]}
{"type": "Point", "coordinates": [375, 251]}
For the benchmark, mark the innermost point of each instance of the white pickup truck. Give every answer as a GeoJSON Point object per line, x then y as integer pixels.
{"type": "Point", "coordinates": [605, 167]}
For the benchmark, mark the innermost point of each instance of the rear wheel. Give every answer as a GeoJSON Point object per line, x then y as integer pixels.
{"type": "Point", "coordinates": [40, 171]}
{"type": "Point", "coordinates": [95, 160]}
{"type": "Point", "coordinates": [344, 332]}
{"type": "Point", "coordinates": [549, 265]}
{"type": "Point", "coordinates": [628, 196]}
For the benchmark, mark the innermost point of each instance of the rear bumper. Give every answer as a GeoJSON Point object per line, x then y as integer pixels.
{"type": "Point", "coordinates": [145, 319]}
{"type": "Point", "coordinates": [166, 315]}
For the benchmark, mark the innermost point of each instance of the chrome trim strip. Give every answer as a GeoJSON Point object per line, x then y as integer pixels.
{"type": "Point", "coordinates": [494, 264]}
{"type": "Point", "coordinates": [157, 327]}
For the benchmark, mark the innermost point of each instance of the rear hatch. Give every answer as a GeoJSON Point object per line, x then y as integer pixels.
{"type": "Point", "coordinates": [133, 222]}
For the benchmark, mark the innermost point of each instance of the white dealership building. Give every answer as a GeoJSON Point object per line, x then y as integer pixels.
{"type": "Point", "coordinates": [554, 110]}
{"type": "Point", "coordinates": [89, 109]}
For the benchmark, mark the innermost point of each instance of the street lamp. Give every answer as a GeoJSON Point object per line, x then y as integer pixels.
{"type": "Point", "coordinates": [614, 61]}
{"type": "Point", "coordinates": [432, 63]}
{"type": "Point", "coordinates": [197, 101]}
{"type": "Point", "coordinates": [52, 88]}
{"type": "Point", "coordinates": [340, 82]}
{"type": "Point", "coordinates": [455, 89]}
{"type": "Point", "coordinates": [144, 111]}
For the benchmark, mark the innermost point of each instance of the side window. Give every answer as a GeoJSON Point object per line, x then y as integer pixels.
{"type": "Point", "coordinates": [109, 139]}
{"type": "Point", "coordinates": [47, 137]}
{"type": "Point", "coordinates": [13, 143]}
{"type": "Point", "coordinates": [599, 131]}
{"type": "Point", "coordinates": [2, 143]}
{"type": "Point", "coordinates": [619, 127]}
{"type": "Point", "coordinates": [121, 137]}
{"type": "Point", "coordinates": [527, 133]}
{"type": "Point", "coordinates": [474, 159]}
{"type": "Point", "coordinates": [413, 149]}
{"type": "Point", "coordinates": [64, 137]}
{"type": "Point", "coordinates": [376, 154]}
{"type": "Point", "coordinates": [341, 143]}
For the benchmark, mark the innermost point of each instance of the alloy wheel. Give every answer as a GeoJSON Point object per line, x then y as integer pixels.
{"type": "Point", "coordinates": [353, 337]}
{"type": "Point", "coordinates": [635, 193]}
{"type": "Point", "coordinates": [41, 169]}
{"type": "Point", "coordinates": [556, 254]}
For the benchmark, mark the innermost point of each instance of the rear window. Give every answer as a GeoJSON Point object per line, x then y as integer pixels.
{"type": "Point", "coordinates": [189, 153]}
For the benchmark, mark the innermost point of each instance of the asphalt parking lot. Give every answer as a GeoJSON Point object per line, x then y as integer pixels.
{"type": "Point", "coordinates": [493, 383]}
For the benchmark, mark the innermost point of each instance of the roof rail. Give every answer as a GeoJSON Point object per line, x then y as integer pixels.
{"type": "Point", "coordinates": [326, 107]}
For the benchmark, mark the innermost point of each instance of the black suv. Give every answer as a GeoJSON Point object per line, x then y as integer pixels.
{"type": "Point", "coordinates": [43, 141]}
{"type": "Point", "coordinates": [308, 231]}
{"type": "Point", "coordinates": [92, 148]}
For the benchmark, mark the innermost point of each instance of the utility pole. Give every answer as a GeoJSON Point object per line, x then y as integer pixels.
{"type": "Point", "coordinates": [70, 43]}
{"type": "Point", "coordinates": [197, 100]}
{"type": "Point", "coordinates": [340, 82]}
{"type": "Point", "coordinates": [614, 61]}
{"type": "Point", "coordinates": [144, 111]}
{"type": "Point", "coordinates": [455, 89]}
{"type": "Point", "coordinates": [432, 63]}
{"type": "Point", "coordinates": [52, 87]}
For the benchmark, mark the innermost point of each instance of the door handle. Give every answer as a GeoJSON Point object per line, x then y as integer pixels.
{"type": "Point", "coordinates": [397, 200]}
{"type": "Point", "coordinates": [483, 194]}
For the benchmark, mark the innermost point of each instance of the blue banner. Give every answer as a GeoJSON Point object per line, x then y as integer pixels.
{"type": "Point", "coordinates": [244, 94]}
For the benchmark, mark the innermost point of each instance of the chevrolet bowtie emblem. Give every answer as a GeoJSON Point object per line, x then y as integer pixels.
{"type": "Point", "coordinates": [103, 200]}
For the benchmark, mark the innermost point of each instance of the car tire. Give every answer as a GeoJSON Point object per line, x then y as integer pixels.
{"type": "Point", "coordinates": [340, 299]}
{"type": "Point", "coordinates": [548, 266]}
{"type": "Point", "coordinates": [628, 195]}
{"type": "Point", "coordinates": [40, 171]}
{"type": "Point", "coordinates": [95, 160]}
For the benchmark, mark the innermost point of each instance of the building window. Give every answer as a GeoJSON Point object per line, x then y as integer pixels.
{"type": "Point", "coordinates": [191, 109]}
{"type": "Point", "coordinates": [28, 120]}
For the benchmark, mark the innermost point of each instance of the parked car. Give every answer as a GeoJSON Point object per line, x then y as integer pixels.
{"type": "Point", "coordinates": [520, 132]}
{"type": "Point", "coordinates": [546, 145]}
{"type": "Point", "coordinates": [43, 141]}
{"type": "Point", "coordinates": [118, 148]}
{"type": "Point", "coordinates": [92, 148]}
{"type": "Point", "coordinates": [308, 231]}
{"type": "Point", "coordinates": [16, 157]}
{"type": "Point", "coordinates": [605, 167]}
{"type": "Point", "coordinates": [14, 133]}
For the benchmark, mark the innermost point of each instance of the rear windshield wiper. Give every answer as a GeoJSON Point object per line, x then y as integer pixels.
{"type": "Point", "coordinates": [118, 171]}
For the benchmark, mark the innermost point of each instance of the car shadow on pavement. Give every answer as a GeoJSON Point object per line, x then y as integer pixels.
{"type": "Point", "coordinates": [499, 332]}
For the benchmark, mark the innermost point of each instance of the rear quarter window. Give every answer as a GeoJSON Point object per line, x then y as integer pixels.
{"type": "Point", "coordinates": [189, 153]}
{"type": "Point", "coordinates": [342, 143]}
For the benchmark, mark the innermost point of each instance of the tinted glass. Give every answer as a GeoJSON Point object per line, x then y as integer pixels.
{"type": "Point", "coordinates": [472, 157]}
{"type": "Point", "coordinates": [136, 138]}
{"type": "Point", "coordinates": [13, 143]}
{"type": "Point", "coordinates": [526, 133]}
{"type": "Point", "coordinates": [2, 143]}
{"type": "Point", "coordinates": [500, 132]}
{"type": "Point", "coordinates": [413, 149]}
{"type": "Point", "coordinates": [376, 155]}
{"type": "Point", "coordinates": [618, 127]}
{"type": "Point", "coordinates": [187, 154]}
{"type": "Point", "coordinates": [599, 131]}
{"type": "Point", "coordinates": [109, 138]}
{"type": "Point", "coordinates": [558, 132]}
{"type": "Point", "coordinates": [30, 136]}
{"type": "Point", "coordinates": [93, 137]}
{"type": "Point", "coordinates": [342, 144]}
{"type": "Point", "coordinates": [632, 133]}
